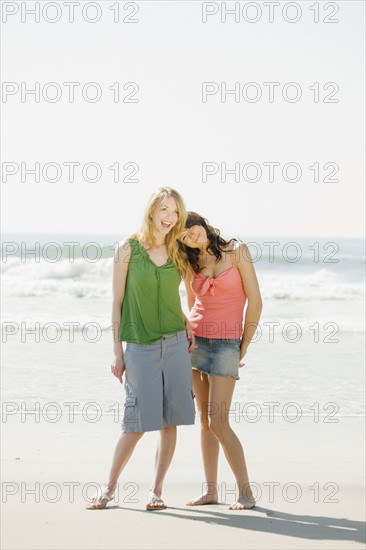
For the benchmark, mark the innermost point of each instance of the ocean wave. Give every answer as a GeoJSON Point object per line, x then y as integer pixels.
{"type": "Point", "coordinates": [322, 284]}
{"type": "Point", "coordinates": [79, 279]}
{"type": "Point", "coordinates": [82, 279]}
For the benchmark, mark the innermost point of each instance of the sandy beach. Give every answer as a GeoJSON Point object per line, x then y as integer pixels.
{"type": "Point", "coordinates": [308, 477]}
{"type": "Point", "coordinates": [306, 463]}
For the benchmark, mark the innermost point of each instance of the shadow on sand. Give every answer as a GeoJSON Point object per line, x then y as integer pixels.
{"type": "Point", "coordinates": [272, 521]}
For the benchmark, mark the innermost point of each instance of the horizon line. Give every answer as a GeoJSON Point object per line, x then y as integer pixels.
{"type": "Point", "coordinates": [41, 233]}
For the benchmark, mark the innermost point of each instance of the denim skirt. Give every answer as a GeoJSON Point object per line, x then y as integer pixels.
{"type": "Point", "coordinates": [217, 356]}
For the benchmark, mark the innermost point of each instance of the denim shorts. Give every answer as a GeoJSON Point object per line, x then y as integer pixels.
{"type": "Point", "coordinates": [158, 384]}
{"type": "Point", "coordinates": [218, 356]}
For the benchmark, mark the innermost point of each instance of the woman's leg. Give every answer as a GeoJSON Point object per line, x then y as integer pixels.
{"type": "Point", "coordinates": [163, 458]}
{"type": "Point", "coordinates": [122, 453]}
{"type": "Point", "coordinates": [209, 443]}
{"type": "Point", "coordinates": [220, 396]}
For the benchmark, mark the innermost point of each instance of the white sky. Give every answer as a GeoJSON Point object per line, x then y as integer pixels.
{"type": "Point", "coordinates": [170, 132]}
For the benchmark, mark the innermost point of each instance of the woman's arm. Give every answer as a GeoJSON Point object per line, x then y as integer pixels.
{"type": "Point", "coordinates": [252, 292]}
{"type": "Point", "coordinates": [190, 301]}
{"type": "Point", "coordinates": [190, 333]}
{"type": "Point", "coordinates": [189, 291]}
{"type": "Point", "coordinates": [120, 269]}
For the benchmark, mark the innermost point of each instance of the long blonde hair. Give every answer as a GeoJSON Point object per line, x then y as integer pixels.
{"type": "Point", "coordinates": [146, 233]}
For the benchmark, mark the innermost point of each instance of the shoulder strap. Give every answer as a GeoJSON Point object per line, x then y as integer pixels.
{"type": "Point", "coordinates": [233, 258]}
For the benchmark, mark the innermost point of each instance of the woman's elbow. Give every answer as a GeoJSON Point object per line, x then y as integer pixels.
{"type": "Point", "coordinates": [255, 304]}
{"type": "Point", "coordinates": [117, 302]}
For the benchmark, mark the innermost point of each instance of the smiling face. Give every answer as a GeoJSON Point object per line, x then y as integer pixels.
{"type": "Point", "coordinates": [194, 237]}
{"type": "Point", "coordinates": [165, 216]}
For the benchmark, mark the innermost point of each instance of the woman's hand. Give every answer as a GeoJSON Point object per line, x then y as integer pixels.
{"type": "Point", "coordinates": [118, 367]}
{"type": "Point", "coordinates": [242, 354]}
{"type": "Point", "coordinates": [190, 336]}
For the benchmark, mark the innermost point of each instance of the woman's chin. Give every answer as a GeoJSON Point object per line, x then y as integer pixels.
{"type": "Point", "coordinates": [164, 230]}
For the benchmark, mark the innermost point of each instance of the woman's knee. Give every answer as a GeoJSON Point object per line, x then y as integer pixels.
{"type": "Point", "coordinates": [134, 436]}
{"type": "Point", "coordinates": [216, 426]}
{"type": "Point", "coordinates": [168, 430]}
{"type": "Point", "coordinates": [204, 422]}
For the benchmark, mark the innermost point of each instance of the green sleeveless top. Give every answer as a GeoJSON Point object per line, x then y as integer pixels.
{"type": "Point", "coordinates": [151, 305]}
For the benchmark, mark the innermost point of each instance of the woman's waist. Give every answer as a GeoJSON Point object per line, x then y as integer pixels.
{"type": "Point", "coordinates": [218, 330]}
{"type": "Point", "coordinates": [178, 336]}
{"type": "Point", "coordinates": [227, 310]}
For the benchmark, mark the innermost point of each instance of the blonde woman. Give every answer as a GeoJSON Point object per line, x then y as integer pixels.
{"type": "Point", "coordinates": [147, 315]}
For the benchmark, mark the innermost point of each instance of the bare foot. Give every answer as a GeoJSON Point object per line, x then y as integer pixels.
{"type": "Point", "coordinates": [208, 498]}
{"type": "Point", "coordinates": [154, 502]}
{"type": "Point", "coordinates": [243, 504]}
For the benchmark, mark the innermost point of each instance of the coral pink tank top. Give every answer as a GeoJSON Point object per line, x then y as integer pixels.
{"type": "Point", "coordinates": [219, 305]}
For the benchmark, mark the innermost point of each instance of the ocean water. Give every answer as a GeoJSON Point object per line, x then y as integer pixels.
{"type": "Point", "coordinates": [308, 354]}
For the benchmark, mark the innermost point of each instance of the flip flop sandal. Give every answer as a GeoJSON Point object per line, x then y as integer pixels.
{"type": "Point", "coordinates": [155, 503]}
{"type": "Point", "coordinates": [97, 501]}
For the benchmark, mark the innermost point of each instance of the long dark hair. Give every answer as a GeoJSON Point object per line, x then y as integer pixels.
{"type": "Point", "coordinates": [216, 244]}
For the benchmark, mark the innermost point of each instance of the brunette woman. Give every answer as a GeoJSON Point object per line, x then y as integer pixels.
{"type": "Point", "coordinates": [223, 282]}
